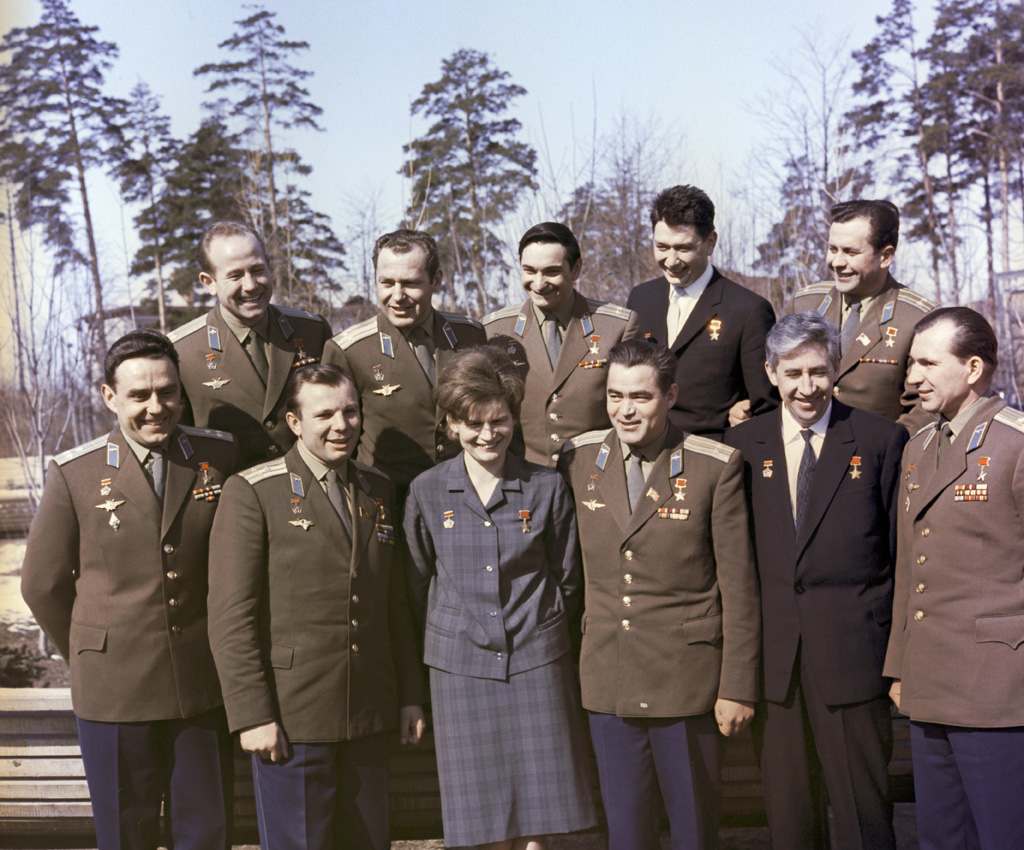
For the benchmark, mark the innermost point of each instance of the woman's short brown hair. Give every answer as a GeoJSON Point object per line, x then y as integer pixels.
{"type": "Point", "coordinates": [475, 377]}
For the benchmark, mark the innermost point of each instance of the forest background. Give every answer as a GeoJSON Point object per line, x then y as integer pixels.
{"type": "Point", "coordinates": [124, 130]}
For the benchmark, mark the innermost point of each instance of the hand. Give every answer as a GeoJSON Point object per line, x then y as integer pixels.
{"type": "Point", "coordinates": [411, 724]}
{"type": "Point", "coordinates": [739, 412]}
{"type": "Point", "coordinates": [267, 741]}
{"type": "Point", "coordinates": [896, 693]}
{"type": "Point", "coordinates": [733, 716]}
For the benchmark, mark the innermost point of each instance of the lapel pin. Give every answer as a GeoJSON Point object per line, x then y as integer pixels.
{"type": "Point", "coordinates": [680, 485]}
{"type": "Point", "coordinates": [216, 383]}
{"type": "Point", "coordinates": [304, 524]}
{"type": "Point", "coordinates": [524, 517]}
{"type": "Point", "coordinates": [387, 390]}
{"type": "Point", "coordinates": [212, 360]}
{"type": "Point", "coordinates": [595, 343]}
{"type": "Point", "coordinates": [593, 504]}
{"type": "Point", "coordinates": [767, 468]}
{"type": "Point", "coordinates": [983, 467]}
{"type": "Point", "coordinates": [378, 373]}
{"type": "Point", "coordinates": [586, 325]}
{"type": "Point", "coordinates": [449, 334]}
{"type": "Point", "coordinates": [676, 464]}
{"type": "Point", "coordinates": [111, 504]}
{"type": "Point", "coordinates": [296, 505]}
{"type": "Point", "coordinates": [714, 328]}
{"type": "Point", "coordinates": [653, 494]}
{"type": "Point", "coordinates": [113, 455]}
{"type": "Point", "coordinates": [864, 339]}
{"type": "Point", "coordinates": [855, 467]}
{"type": "Point", "coordinates": [826, 302]}
{"type": "Point", "coordinates": [297, 488]}
{"type": "Point", "coordinates": [114, 522]}
{"type": "Point", "coordinates": [890, 336]}
{"type": "Point", "coordinates": [105, 486]}
{"type": "Point", "coordinates": [449, 519]}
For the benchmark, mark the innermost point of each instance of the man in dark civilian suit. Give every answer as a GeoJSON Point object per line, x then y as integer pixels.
{"type": "Point", "coordinates": [822, 479]}
{"type": "Point", "coordinates": [713, 326]}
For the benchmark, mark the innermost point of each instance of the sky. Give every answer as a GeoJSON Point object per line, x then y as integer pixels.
{"type": "Point", "coordinates": [696, 69]}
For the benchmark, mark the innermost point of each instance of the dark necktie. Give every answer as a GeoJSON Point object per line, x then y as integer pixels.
{"type": "Point", "coordinates": [634, 480]}
{"type": "Point", "coordinates": [421, 347]}
{"type": "Point", "coordinates": [943, 439]}
{"type": "Point", "coordinates": [338, 500]}
{"type": "Point", "coordinates": [552, 341]}
{"type": "Point", "coordinates": [154, 466]}
{"type": "Point", "coordinates": [804, 477]}
{"type": "Point", "coordinates": [253, 346]}
{"type": "Point", "coordinates": [850, 328]}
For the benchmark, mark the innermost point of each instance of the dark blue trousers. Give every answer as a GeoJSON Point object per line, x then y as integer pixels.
{"type": "Point", "coordinates": [968, 785]}
{"type": "Point", "coordinates": [131, 767]}
{"type": "Point", "coordinates": [637, 757]}
{"type": "Point", "coordinates": [325, 796]}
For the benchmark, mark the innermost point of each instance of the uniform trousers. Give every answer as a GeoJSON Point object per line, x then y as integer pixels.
{"type": "Point", "coordinates": [325, 796]}
{"type": "Point", "coordinates": [636, 757]}
{"type": "Point", "coordinates": [808, 747]}
{"type": "Point", "coordinates": [967, 784]}
{"type": "Point", "coordinates": [131, 767]}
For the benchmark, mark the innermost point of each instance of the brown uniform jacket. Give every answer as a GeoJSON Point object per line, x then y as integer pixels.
{"type": "Point", "coordinates": [672, 615]}
{"type": "Point", "coordinates": [225, 391]}
{"type": "Point", "coordinates": [872, 376]}
{"type": "Point", "coordinates": [119, 585]}
{"type": "Point", "coordinates": [566, 401]}
{"type": "Point", "coordinates": [402, 431]}
{"type": "Point", "coordinates": [958, 612]}
{"type": "Point", "coordinates": [306, 628]}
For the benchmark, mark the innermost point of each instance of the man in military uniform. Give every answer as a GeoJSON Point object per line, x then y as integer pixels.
{"type": "Point", "coordinates": [875, 315]}
{"type": "Point", "coordinates": [115, 573]}
{"type": "Point", "coordinates": [671, 631]}
{"type": "Point", "coordinates": [310, 627]}
{"type": "Point", "coordinates": [958, 615]}
{"type": "Point", "coordinates": [713, 326]}
{"type": "Point", "coordinates": [394, 359]}
{"type": "Point", "coordinates": [560, 341]}
{"type": "Point", "coordinates": [235, 360]}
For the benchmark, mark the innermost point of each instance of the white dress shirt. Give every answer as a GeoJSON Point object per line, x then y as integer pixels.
{"type": "Point", "coordinates": [793, 444]}
{"type": "Point", "coordinates": [682, 300]}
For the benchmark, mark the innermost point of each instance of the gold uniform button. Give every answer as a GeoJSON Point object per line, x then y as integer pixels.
{"type": "Point", "coordinates": [644, 705]}
{"type": "Point", "coordinates": [554, 417]}
{"type": "Point", "coordinates": [269, 423]}
{"type": "Point", "coordinates": [628, 555]}
{"type": "Point", "coordinates": [555, 438]}
{"type": "Point", "coordinates": [355, 598]}
{"type": "Point", "coordinates": [628, 578]}
{"type": "Point", "coordinates": [487, 523]}
{"type": "Point", "coordinates": [489, 568]}
{"type": "Point", "coordinates": [625, 625]}
{"type": "Point", "coordinates": [835, 390]}
{"type": "Point", "coordinates": [273, 449]}
{"type": "Point", "coordinates": [355, 623]}
{"type": "Point", "coordinates": [168, 548]}
{"type": "Point", "coordinates": [555, 457]}
{"type": "Point", "coordinates": [627, 601]}
{"type": "Point", "coordinates": [172, 602]}
{"type": "Point", "coordinates": [172, 574]}
{"type": "Point", "coordinates": [921, 559]}
{"type": "Point", "coordinates": [175, 630]}
{"type": "Point", "coordinates": [920, 587]}
{"type": "Point", "coordinates": [554, 396]}
{"type": "Point", "coordinates": [925, 532]}
{"type": "Point", "coordinates": [919, 616]}
{"type": "Point", "coordinates": [355, 649]}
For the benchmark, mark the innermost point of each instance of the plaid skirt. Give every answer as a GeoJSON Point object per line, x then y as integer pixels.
{"type": "Point", "coordinates": [512, 756]}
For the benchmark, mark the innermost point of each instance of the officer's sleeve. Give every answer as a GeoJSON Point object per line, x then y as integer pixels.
{"type": "Point", "coordinates": [562, 546]}
{"type": "Point", "coordinates": [759, 389]}
{"type": "Point", "coordinates": [51, 561]}
{"type": "Point", "coordinates": [237, 585]}
{"type": "Point", "coordinates": [422, 556]}
{"type": "Point", "coordinates": [737, 583]}
{"type": "Point", "coordinates": [632, 328]}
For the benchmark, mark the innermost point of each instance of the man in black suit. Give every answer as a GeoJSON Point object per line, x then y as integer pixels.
{"type": "Point", "coordinates": [713, 326]}
{"type": "Point", "coordinates": [822, 478]}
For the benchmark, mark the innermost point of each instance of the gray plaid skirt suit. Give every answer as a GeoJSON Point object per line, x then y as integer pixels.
{"type": "Point", "coordinates": [495, 587]}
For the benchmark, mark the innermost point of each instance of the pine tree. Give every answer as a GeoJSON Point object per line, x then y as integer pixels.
{"type": "Point", "coordinates": [469, 169]}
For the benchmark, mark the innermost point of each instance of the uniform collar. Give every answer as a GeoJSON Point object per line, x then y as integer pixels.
{"type": "Point", "coordinates": [318, 467]}
{"type": "Point", "coordinates": [140, 451]}
{"type": "Point", "coordinates": [240, 331]}
{"type": "Point", "coordinates": [957, 423]}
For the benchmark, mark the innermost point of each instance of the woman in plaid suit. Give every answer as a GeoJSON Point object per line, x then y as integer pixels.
{"type": "Point", "coordinates": [495, 580]}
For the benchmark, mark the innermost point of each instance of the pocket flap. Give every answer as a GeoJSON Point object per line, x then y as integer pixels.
{"type": "Point", "coordinates": [91, 638]}
{"type": "Point", "coordinates": [704, 630]}
{"type": "Point", "coordinates": [1008, 630]}
{"type": "Point", "coordinates": [281, 656]}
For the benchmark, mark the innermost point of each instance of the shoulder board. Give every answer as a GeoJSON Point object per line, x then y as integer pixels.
{"type": "Point", "coordinates": [212, 433]}
{"type": "Point", "coordinates": [908, 296]}
{"type": "Point", "coordinates": [354, 333]}
{"type": "Point", "coordinates": [296, 313]}
{"type": "Point", "coordinates": [923, 430]}
{"type": "Point", "coordinates": [603, 308]}
{"type": "Point", "coordinates": [1012, 417]}
{"type": "Point", "coordinates": [460, 319]}
{"type": "Point", "coordinates": [711, 448]}
{"type": "Point", "coordinates": [503, 313]}
{"type": "Point", "coordinates": [261, 471]}
{"type": "Point", "coordinates": [78, 451]}
{"type": "Point", "coordinates": [187, 329]}
{"type": "Point", "coordinates": [588, 438]}
{"type": "Point", "coordinates": [816, 289]}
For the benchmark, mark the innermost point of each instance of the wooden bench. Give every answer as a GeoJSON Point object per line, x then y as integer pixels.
{"type": "Point", "coordinates": [44, 800]}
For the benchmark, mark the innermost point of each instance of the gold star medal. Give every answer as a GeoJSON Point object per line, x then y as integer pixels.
{"type": "Point", "coordinates": [983, 467]}
{"type": "Point", "coordinates": [524, 517]}
{"type": "Point", "coordinates": [890, 336]}
{"type": "Point", "coordinates": [767, 469]}
{"type": "Point", "coordinates": [855, 467]}
{"type": "Point", "coordinates": [594, 343]}
{"type": "Point", "coordinates": [714, 328]}
{"type": "Point", "coordinates": [680, 494]}
{"type": "Point", "coordinates": [449, 519]}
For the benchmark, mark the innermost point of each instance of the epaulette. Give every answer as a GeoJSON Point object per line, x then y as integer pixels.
{"type": "Point", "coordinates": [1012, 417]}
{"type": "Point", "coordinates": [816, 289]}
{"type": "Point", "coordinates": [296, 313]}
{"type": "Point", "coordinates": [212, 433]}
{"type": "Point", "coordinates": [78, 451]}
{"type": "Point", "coordinates": [588, 438]}
{"type": "Point", "coordinates": [604, 308]}
{"type": "Point", "coordinates": [460, 319]}
{"type": "Point", "coordinates": [923, 430]}
{"type": "Point", "coordinates": [705, 446]}
{"type": "Point", "coordinates": [354, 333]}
{"type": "Point", "coordinates": [503, 313]}
{"type": "Point", "coordinates": [910, 297]}
{"type": "Point", "coordinates": [187, 329]}
{"type": "Point", "coordinates": [256, 474]}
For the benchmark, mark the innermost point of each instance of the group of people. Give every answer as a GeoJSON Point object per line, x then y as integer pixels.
{"type": "Point", "coordinates": [579, 527]}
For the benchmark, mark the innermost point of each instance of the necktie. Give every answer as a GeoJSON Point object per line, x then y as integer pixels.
{"type": "Point", "coordinates": [675, 313]}
{"type": "Point", "coordinates": [850, 328]}
{"type": "Point", "coordinates": [154, 466]}
{"type": "Point", "coordinates": [552, 340]}
{"type": "Point", "coordinates": [804, 477]}
{"type": "Point", "coordinates": [253, 346]}
{"type": "Point", "coordinates": [634, 480]}
{"type": "Point", "coordinates": [421, 348]}
{"type": "Point", "coordinates": [337, 499]}
{"type": "Point", "coordinates": [943, 439]}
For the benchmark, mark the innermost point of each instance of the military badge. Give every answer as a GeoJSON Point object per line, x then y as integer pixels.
{"type": "Point", "coordinates": [890, 336]}
{"type": "Point", "coordinates": [113, 455]}
{"type": "Point", "coordinates": [602, 457]}
{"type": "Point", "coordinates": [111, 504]}
{"type": "Point", "coordinates": [520, 327]}
{"type": "Point", "coordinates": [301, 358]}
{"type": "Point", "coordinates": [114, 522]}
{"type": "Point", "coordinates": [449, 334]}
{"type": "Point", "coordinates": [595, 341]}
{"type": "Point", "coordinates": [524, 518]}
{"type": "Point", "coordinates": [304, 524]}
{"type": "Point", "coordinates": [970, 492]}
{"type": "Point", "coordinates": [653, 494]}
{"type": "Point", "coordinates": [105, 486]}
{"type": "Point", "coordinates": [448, 518]}
{"type": "Point", "coordinates": [977, 436]}
{"type": "Point", "coordinates": [212, 360]}
{"type": "Point", "coordinates": [213, 338]}
{"type": "Point", "coordinates": [378, 373]}
{"type": "Point", "coordinates": [296, 484]}
{"type": "Point", "coordinates": [680, 485]}
{"type": "Point", "coordinates": [714, 328]}
{"type": "Point", "coordinates": [385, 533]}
{"type": "Point", "coordinates": [296, 504]}
{"type": "Point", "coordinates": [593, 504]}
{"type": "Point", "coordinates": [983, 463]}
{"type": "Point", "coordinates": [186, 448]}
{"type": "Point", "coordinates": [675, 465]}
{"type": "Point", "coordinates": [767, 468]}
{"type": "Point", "coordinates": [864, 339]}
{"type": "Point", "coordinates": [855, 472]}
{"type": "Point", "coordinates": [887, 311]}
{"type": "Point", "coordinates": [387, 348]}
{"type": "Point", "coordinates": [216, 383]}
{"type": "Point", "coordinates": [210, 493]}
{"type": "Point", "coordinates": [387, 390]}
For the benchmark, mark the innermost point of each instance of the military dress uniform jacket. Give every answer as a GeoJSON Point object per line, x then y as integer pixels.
{"type": "Point", "coordinates": [403, 433]}
{"type": "Point", "coordinates": [872, 375]}
{"type": "Point", "coordinates": [829, 588]}
{"type": "Point", "coordinates": [719, 351]}
{"type": "Point", "coordinates": [957, 638]}
{"type": "Point", "coordinates": [309, 627]}
{"type": "Point", "coordinates": [225, 391]}
{"type": "Point", "coordinates": [671, 612]}
{"type": "Point", "coordinates": [120, 585]}
{"type": "Point", "coordinates": [495, 589]}
{"type": "Point", "coordinates": [568, 400]}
